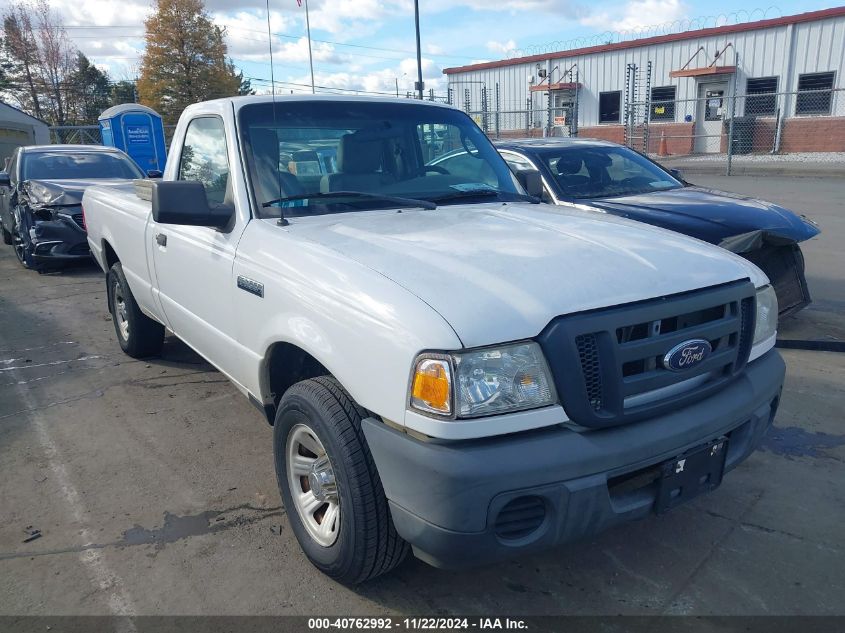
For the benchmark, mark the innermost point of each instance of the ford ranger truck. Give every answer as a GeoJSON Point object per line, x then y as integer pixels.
{"type": "Point", "coordinates": [450, 368]}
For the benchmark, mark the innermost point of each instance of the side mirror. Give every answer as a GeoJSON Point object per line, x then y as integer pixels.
{"type": "Point", "coordinates": [530, 181]}
{"type": "Point", "coordinates": [677, 174]}
{"type": "Point", "coordinates": [154, 173]}
{"type": "Point", "coordinates": [184, 202]}
{"type": "Point", "coordinates": [5, 181]}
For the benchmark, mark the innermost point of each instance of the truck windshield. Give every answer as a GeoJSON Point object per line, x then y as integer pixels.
{"type": "Point", "coordinates": [603, 172]}
{"type": "Point", "coordinates": [386, 149]}
{"type": "Point", "coordinates": [65, 165]}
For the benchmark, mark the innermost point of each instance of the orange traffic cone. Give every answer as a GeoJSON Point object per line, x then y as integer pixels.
{"type": "Point", "coordinates": [663, 149]}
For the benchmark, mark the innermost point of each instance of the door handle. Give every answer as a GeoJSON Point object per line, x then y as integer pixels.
{"type": "Point", "coordinates": [161, 239]}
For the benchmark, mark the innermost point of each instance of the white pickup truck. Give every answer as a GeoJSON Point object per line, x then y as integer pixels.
{"type": "Point", "coordinates": [449, 366]}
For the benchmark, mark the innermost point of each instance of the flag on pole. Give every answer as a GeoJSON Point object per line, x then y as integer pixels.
{"type": "Point", "coordinates": [299, 3]}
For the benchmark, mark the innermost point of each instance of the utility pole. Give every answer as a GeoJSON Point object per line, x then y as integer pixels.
{"type": "Point", "coordinates": [419, 87]}
{"type": "Point", "coordinates": [310, 56]}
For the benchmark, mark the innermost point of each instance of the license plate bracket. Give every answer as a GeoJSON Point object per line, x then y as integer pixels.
{"type": "Point", "coordinates": [697, 471]}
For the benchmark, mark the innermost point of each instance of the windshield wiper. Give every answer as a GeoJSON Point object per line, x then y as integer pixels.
{"type": "Point", "coordinates": [481, 193]}
{"type": "Point", "coordinates": [405, 202]}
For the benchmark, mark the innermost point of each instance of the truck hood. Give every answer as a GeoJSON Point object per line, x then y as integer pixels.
{"type": "Point", "coordinates": [501, 272]}
{"type": "Point", "coordinates": [709, 214]}
{"type": "Point", "coordinates": [46, 193]}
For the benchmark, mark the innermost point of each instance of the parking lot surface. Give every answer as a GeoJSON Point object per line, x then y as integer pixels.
{"type": "Point", "coordinates": [151, 483]}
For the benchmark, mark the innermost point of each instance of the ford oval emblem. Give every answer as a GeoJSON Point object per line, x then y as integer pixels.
{"type": "Point", "coordinates": [687, 355]}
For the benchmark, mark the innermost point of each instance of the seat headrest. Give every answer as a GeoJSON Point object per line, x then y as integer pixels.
{"type": "Point", "coordinates": [356, 155]}
{"type": "Point", "coordinates": [568, 166]}
{"type": "Point", "coordinates": [265, 147]}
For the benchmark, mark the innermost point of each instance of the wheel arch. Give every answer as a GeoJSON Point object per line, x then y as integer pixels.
{"type": "Point", "coordinates": [110, 258]}
{"type": "Point", "coordinates": [286, 363]}
{"type": "Point", "coordinates": [109, 254]}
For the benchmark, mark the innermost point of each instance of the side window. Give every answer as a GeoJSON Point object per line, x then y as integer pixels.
{"type": "Point", "coordinates": [204, 157]}
{"type": "Point", "coordinates": [517, 162]}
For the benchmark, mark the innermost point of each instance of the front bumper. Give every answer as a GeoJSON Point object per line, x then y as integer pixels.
{"type": "Point", "coordinates": [446, 498]}
{"type": "Point", "coordinates": [58, 241]}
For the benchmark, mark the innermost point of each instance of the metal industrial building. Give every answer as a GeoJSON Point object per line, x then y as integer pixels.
{"type": "Point", "coordinates": [18, 128]}
{"type": "Point", "coordinates": [774, 85]}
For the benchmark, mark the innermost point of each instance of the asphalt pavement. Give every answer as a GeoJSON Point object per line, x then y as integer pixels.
{"type": "Point", "coordinates": [133, 487]}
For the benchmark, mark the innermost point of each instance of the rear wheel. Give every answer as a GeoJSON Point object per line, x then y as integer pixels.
{"type": "Point", "coordinates": [330, 486]}
{"type": "Point", "coordinates": [7, 237]}
{"type": "Point", "coordinates": [139, 335]}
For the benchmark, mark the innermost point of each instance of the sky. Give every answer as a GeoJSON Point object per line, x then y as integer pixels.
{"type": "Point", "coordinates": [369, 45]}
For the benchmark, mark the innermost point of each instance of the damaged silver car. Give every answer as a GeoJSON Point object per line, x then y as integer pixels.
{"type": "Point", "coordinates": [41, 199]}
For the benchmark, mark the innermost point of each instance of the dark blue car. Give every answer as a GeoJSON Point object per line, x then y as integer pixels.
{"type": "Point", "coordinates": [618, 180]}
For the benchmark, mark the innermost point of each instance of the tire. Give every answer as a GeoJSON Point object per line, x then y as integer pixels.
{"type": "Point", "coordinates": [23, 249]}
{"type": "Point", "coordinates": [366, 544]}
{"type": "Point", "coordinates": [139, 336]}
{"type": "Point", "coordinates": [7, 237]}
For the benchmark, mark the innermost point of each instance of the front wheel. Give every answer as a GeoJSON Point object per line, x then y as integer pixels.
{"type": "Point", "coordinates": [23, 249]}
{"type": "Point", "coordinates": [330, 486]}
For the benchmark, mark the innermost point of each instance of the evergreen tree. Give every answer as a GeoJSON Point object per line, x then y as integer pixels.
{"type": "Point", "coordinates": [123, 92]}
{"type": "Point", "coordinates": [91, 92]}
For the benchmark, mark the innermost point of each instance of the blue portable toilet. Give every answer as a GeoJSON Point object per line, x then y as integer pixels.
{"type": "Point", "coordinates": [138, 131]}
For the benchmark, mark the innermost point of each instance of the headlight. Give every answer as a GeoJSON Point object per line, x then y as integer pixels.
{"type": "Point", "coordinates": [486, 382]}
{"type": "Point", "coordinates": [766, 324]}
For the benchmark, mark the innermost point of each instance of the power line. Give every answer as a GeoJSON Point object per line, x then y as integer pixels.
{"type": "Point", "coordinates": [283, 35]}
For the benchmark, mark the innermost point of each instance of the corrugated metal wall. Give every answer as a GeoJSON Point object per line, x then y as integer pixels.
{"type": "Point", "coordinates": [783, 51]}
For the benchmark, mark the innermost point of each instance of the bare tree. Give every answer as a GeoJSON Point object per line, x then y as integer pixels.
{"type": "Point", "coordinates": [21, 59]}
{"type": "Point", "coordinates": [44, 72]}
{"type": "Point", "coordinates": [58, 60]}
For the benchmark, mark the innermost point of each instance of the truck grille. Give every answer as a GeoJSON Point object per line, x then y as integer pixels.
{"type": "Point", "coordinates": [608, 364]}
{"type": "Point", "coordinates": [588, 352]}
{"type": "Point", "coordinates": [77, 218]}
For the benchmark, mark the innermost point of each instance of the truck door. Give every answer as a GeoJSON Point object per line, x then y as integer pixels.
{"type": "Point", "coordinates": [193, 264]}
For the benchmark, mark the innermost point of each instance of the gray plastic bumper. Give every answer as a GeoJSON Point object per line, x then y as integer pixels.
{"type": "Point", "coordinates": [445, 497]}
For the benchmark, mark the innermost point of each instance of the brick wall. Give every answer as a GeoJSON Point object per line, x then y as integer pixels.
{"type": "Point", "coordinates": [534, 132]}
{"type": "Point", "coordinates": [813, 134]}
{"type": "Point", "coordinates": [810, 134]}
{"type": "Point", "coordinates": [613, 133]}
{"type": "Point", "coordinates": [679, 136]}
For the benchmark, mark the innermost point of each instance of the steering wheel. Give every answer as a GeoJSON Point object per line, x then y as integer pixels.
{"type": "Point", "coordinates": [438, 169]}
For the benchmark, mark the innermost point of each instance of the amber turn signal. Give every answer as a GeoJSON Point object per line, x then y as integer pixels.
{"type": "Point", "coordinates": [432, 386]}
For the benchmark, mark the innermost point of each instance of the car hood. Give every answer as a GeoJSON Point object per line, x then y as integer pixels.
{"type": "Point", "coordinates": [710, 215]}
{"type": "Point", "coordinates": [48, 193]}
{"type": "Point", "coordinates": [501, 272]}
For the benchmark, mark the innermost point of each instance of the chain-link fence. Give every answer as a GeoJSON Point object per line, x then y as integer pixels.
{"type": "Point", "coordinates": [75, 135]}
{"type": "Point", "coordinates": [89, 134]}
{"type": "Point", "coordinates": [718, 125]}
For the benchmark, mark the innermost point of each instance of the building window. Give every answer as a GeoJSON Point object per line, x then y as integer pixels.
{"type": "Point", "coordinates": [761, 99]}
{"type": "Point", "coordinates": [609, 106]}
{"type": "Point", "coordinates": [815, 91]}
{"type": "Point", "coordinates": [663, 104]}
